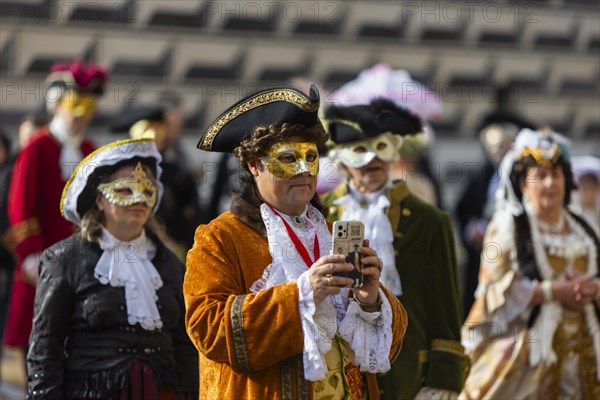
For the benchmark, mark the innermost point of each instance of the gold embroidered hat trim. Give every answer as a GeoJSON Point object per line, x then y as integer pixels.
{"type": "Point", "coordinates": [289, 96]}
{"type": "Point", "coordinates": [547, 158]}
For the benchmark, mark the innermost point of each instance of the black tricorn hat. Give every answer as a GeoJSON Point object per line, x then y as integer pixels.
{"type": "Point", "coordinates": [503, 116]}
{"type": "Point", "coordinates": [129, 117]}
{"type": "Point", "coordinates": [349, 124]}
{"type": "Point", "coordinates": [271, 106]}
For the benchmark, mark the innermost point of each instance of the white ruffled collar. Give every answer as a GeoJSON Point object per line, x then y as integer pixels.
{"type": "Point", "coordinates": [129, 265]}
{"type": "Point", "coordinates": [70, 152]}
{"type": "Point", "coordinates": [287, 264]}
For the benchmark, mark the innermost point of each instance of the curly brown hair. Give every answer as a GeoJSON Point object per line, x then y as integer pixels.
{"type": "Point", "coordinates": [262, 138]}
{"type": "Point", "coordinates": [520, 171]}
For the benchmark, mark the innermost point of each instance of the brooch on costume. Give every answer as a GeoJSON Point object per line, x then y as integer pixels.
{"type": "Point", "coordinates": [297, 221]}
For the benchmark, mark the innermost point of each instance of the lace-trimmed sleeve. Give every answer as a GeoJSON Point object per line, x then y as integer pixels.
{"type": "Point", "coordinates": [319, 326]}
{"type": "Point", "coordinates": [369, 334]}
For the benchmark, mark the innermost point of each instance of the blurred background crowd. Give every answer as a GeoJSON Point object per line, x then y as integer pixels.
{"type": "Point", "coordinates": [477, 72]}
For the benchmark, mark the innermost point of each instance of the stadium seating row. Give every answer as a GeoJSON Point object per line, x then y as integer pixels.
{"type": "Point", "coordinates": [173, 58]}
{"type": "Point", "coordinates": [538, 25]}
{"type": "Point", "coordinates": [214, 52]}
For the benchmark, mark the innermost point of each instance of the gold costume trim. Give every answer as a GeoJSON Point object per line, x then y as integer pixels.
{"type": "Point", "coordinates": [302, 385]}
{"type": "Point", "coordinates": [579, 342]}
{"type": "Point", "coordinates": [21, 231]}
{"type": "Point", "coordinates": [540, 157]}
{"type": "Point", "coordinates": [352, 124]}
{"type": "Point", "coordinates": [236, 316]}
{"type": "Point", "coordinates": [87, 159]}
{"type": "Point", "coordinates": [287, 95]}
{"type": "Point", "coordinates": [287, 381]}
{"type": "Point", "coordinates": [449, 346]}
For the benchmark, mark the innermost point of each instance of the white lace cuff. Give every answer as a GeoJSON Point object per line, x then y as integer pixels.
{"type": "Point", "coordinates": [319, 326]}
{"type": "Point", "coordinates": [369, 334]}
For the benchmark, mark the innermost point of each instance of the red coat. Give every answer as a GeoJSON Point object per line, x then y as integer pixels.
{"type": "Point", "coordinates": [34, 213]}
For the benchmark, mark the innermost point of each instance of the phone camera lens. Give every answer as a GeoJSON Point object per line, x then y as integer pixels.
{"type": "Point", "coordinates": [340, 234]}
{"type": "Point", "coordinates": [340, 227]}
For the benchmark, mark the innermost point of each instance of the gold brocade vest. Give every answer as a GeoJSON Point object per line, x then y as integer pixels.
{"type": "Point", "coordinates": [343, 379]}
{"type": "Point", "coordinates": [572, 337]}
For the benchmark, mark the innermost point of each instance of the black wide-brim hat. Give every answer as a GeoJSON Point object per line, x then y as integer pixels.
{"type": "Point", "coordinates": [79, 192]}
{"type": "Point", "coordinates": [271, 106]}
{"type": "Point", "coordinates": [124, 121]}
{"type": "Point", "coordinates": [359, 122]}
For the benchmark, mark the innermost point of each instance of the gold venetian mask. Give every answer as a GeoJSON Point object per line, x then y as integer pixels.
{"type": "Point", "coordinates": [79, 104]}
{"type": "Point", "coordinates": [135, 188]}
{"type": "Point", "coordinates": [288, 159]}
{"type": "Point", "coordinates": [360, 153]}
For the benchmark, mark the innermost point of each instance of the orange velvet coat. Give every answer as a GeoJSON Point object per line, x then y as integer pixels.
{"type": "Point", "coordinates": [250, 344]}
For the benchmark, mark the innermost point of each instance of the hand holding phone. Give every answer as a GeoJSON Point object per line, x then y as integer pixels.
{"type": "Point", "coordinates": [348, 237]}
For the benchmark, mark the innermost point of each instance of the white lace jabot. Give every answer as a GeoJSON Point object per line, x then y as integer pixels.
{"type": "Point", "coordinates": [128, 265]}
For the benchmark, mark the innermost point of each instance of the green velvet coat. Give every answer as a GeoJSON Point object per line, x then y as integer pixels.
{"type": "Point", "coordinates": [424, 241]}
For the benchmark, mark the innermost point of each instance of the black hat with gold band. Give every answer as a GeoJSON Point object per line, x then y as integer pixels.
{"type": "Point", "coordinates": [271, 106]}
{"type": "Point", "coordinates": [379, 129]}
{"type": "Point", "coordinates": [359, 122]}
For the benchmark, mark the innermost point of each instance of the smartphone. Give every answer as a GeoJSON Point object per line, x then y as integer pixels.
{"type": "Point", "coordinates": [348, 238]}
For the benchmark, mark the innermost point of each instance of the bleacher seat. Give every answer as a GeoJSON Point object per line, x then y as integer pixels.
{"type": "Point", "coordinates": [172, 14]}
{"type": "Point", "coordinates": [249, 16]}
{"type": "Point", "coordinates": [439, 24]}
{"type": "Point", "coordinates": [374, 20]}
{"type": "Point", "coordinates": [462, 70]}
{"type": "Point", "coordinates": [215, 52]}
{"type": "Point", "coordinates": [94, 12]}
{"type": "Point", "coordinates": [29, 12]}
{"type": "Point", "coordinates": [135, 56]}
{"type": "Point", "coordinates": [577, 76]}
{"type": "Point", "coordinates": [520, 70]}
{"type": "Point", "coordinates": [198, 60]}
{"type": "Point", "coordinates": [287, 73]}
{"type": "Point", "coordinates": [493, 25]}
{"type": "Point", "coordinates": [267, 60]}
{"type": "Point", "coordinates": [588, 39]}
{"type": "Point", "coordinates": [335, 66]}
{"type": "Point", "coordinates": [420, 63]}
{"type": "Point", "coordinates": [549, 32]}
{"type": "Point", "coordinates": [312, 18]}
{"type": "Point", "coordinates": [35, 55]}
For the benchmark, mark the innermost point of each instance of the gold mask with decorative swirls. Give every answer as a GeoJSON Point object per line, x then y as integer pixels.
{"type": "Point", "coordinates": [288, 159]}
{"type": "Point", "coordinates": [135, 188]}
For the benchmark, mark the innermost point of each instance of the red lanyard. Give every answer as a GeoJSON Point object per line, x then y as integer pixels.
{"type": "Point", "coordinates": [298, 244]}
